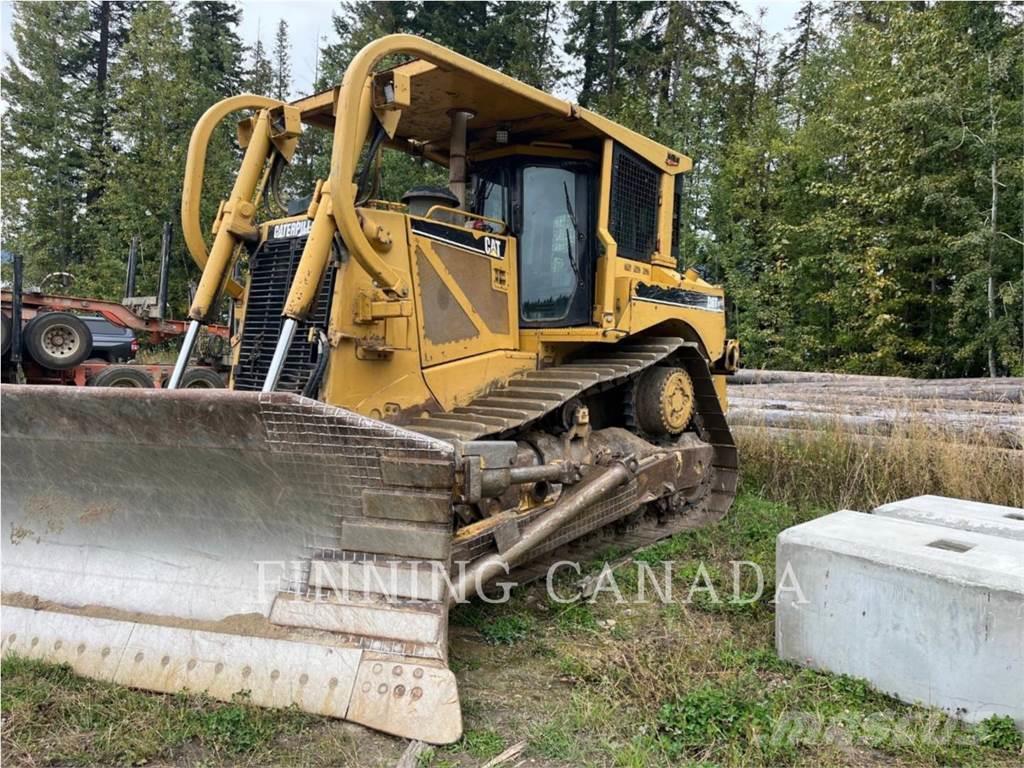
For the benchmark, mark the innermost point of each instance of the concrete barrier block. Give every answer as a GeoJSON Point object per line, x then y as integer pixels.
{"type": "Point", "coordinates": [927, 614]}
{"type": "Point", "coordinates": [992, 519]}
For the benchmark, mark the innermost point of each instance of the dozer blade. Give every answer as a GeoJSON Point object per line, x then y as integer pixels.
{"type": "Point", "coordinates": [233, 543]}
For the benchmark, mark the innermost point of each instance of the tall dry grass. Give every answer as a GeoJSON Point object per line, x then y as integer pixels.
{"type": "Point", "coordinates": [835, 467]}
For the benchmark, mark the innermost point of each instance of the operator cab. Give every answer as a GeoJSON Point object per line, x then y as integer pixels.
{"type": "Point", "coordinates": [550, 206]}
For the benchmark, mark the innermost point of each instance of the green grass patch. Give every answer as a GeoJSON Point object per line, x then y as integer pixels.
{"type": "Point", "coordinates": [999, 732]}
{"type": "Point", "coordinates": [498, 623]}
{"type": "Point", "coordinates": [57, 717]}
{"type": "Point", "coordinates": [714, 716]}
{"type": "Point", "coordinates": [689, 683]}
{"type": "Point", "coordinates": [482, 744]}
{"type": "Point", "coordinates": [575, 617]}
{"type": "Point", "coordinates": [506, 630]}
{"type": "Point", "coordinates": [555, 739]}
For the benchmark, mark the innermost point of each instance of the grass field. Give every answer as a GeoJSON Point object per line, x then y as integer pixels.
{"type": "Point", "coordinates": [687, 683]}
{"type": "Point", "coordinates": [693, 681]}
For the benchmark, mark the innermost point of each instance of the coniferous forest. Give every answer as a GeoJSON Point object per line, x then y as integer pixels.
{"type": "Point", "coordinates": [858, 180]}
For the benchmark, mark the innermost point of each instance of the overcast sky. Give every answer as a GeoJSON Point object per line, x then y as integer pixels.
{"type": "Point", "coordinates": [309, 24]}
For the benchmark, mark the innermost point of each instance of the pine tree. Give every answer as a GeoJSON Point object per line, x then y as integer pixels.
{"type": "Point", "coordinates": [215, 58]}
{"type": "Point", "coordinates": [109, 22]}
{"type": "Point", "coordinates": [282, 83]}
{"type": "Point", "coordinates": [214, 49]}
{"type": "Point", "coordinates": [459, 26]}
{"type": "Point", "coordinates": [519, 41]}
{"type": "Point", "coordinates": [151, 78]}
{"type": "Point", "coordinates": [259, 78]}
{"type": "Point", "coordinates": [792, 68]}
{"type": "Point", "coordinates": [614, 44]}
{"type": "Point", "coordinates": [47, 134]}
{"type": "Point", "coordinates": [694, 81]}
{"type": "Point", "coordinates": [355, 25]}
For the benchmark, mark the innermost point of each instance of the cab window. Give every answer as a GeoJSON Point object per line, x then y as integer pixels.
{"type": "Point", "coordinates": [552, 243]}
{"type": "Point", "coordinates": [491, 194]}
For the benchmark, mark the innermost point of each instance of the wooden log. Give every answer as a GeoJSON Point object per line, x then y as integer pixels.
{"type": "Point", "coordinates": [984, 389]}
{"type": "Point", "coordinates": [842, 403]}
{"type": "Point", "coordinates": [1010, 392]}
{"type": "Point", "coordinates": [793, 434]}
{"type": "Point", "coordinates": [948, 425]}
{"type": "Point", "coordinates": [760, 376]}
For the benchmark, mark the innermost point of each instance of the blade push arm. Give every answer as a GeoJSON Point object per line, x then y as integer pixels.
{"type": "Point", "coordinates": [195, 166]}
{"type": "Point", "coordinates": [274, 129]}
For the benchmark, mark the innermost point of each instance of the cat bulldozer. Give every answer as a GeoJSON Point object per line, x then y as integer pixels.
{"type": "Point", "coordinates": [431, 398]}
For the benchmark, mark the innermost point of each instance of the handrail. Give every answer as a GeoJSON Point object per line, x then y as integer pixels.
{"type": "Point", "coordinates": [354, 111]}
{"type": "Point", "coordinates": [195, 167]}
{"type": "Point", "coordinates": [465, 215]}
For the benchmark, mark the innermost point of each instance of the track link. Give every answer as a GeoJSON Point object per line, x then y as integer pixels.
{"type": "Point", "coordinates": [521, 402]}
{"type": "Point", "coordinates": [508, 411]}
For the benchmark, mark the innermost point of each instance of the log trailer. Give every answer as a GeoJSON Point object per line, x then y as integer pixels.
{"type": "Point", "coordinates": [45, 341]}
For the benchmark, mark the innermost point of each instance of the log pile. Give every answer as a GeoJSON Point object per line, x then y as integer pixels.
{"type": "Point", "coordinates": [975, 410]}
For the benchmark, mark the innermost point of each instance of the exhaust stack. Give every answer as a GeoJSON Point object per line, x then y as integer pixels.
{"type": "Point", "coordinates": [457, 155]}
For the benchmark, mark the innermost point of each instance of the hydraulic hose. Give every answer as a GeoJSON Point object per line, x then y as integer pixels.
{"type": "Point", "coordinates": [313, 383]}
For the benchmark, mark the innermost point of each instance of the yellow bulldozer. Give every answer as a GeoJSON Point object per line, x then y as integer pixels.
{"type": "Point", "coordinates": [429, 398]}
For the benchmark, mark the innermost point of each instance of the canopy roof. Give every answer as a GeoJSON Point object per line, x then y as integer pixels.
{"type": "Point", "coordinates": [529, 114]}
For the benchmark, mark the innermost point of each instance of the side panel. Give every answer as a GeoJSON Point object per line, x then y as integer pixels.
{"type": "Point", "coordinates": [464, 283]}
{"type": "Point", "coordinates": [375, 360]}
{"type": "Point", "coordinates": [454, 335]}
{"type": "Point", "coordinates": [637, 286]}
{"type": "Point", "coordinates": [708, 324]}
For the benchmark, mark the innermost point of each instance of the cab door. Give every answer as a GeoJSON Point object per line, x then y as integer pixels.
{"type": "Point", "coordinates": [554, 228]}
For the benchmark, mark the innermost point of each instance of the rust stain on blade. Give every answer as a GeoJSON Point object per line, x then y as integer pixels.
{"type": "Point", "coordinates": [48, 510]}
{"type": "Point", "coordinates": [97, 513]}
{"type": "Point", "coordinates": [20, 533]}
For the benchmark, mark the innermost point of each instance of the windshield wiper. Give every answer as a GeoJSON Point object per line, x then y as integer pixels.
{"type": "Point", "coordinates": [568, 237]}
{"type": "Point", "coordinates": [571, 212]}
{"type": "Point", "coordinates": [570, 255]}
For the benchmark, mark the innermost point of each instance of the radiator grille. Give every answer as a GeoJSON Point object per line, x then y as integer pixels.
{"type": "Point", "coordinates": [271, 270]}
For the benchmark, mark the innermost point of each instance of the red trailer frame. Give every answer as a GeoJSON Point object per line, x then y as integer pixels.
{"type": "Point", "coordinates": [118, 314]}
{"type": "Point", "coordinates": [25, 306]}
{"type": "Point", "coordinates": [80, 375]}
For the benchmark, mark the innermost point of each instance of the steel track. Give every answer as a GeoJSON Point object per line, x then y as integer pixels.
{"type": "Point", "coordinates": [507, 412]}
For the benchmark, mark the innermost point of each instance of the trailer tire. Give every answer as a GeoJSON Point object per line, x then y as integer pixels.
{"type": "Point", "coordinates": [122, 376]}
{"type": "Point", "coordinates": [6, 330]}
{"type": "Point", "coordinates": [58, 340]}
{"type": "Point", "coordinates": [201, 378]}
